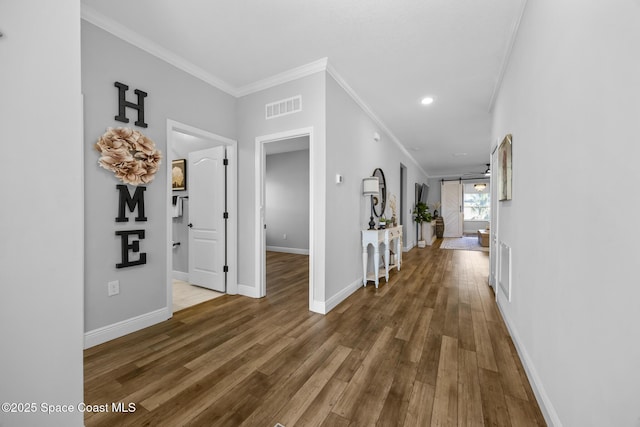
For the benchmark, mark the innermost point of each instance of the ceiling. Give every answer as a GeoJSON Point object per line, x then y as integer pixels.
{"type": "Point", "coordinates": [287, 145]}
{"type": "Point", "coordinates": [391, 53]}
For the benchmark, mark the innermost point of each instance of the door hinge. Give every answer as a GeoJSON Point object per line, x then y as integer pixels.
{"type": "Point", "coordinates": [225, 162]}
{"type": "Point", "coordinates": [225, 215]}
{"type": "Point", "coordinates": [225, 269]}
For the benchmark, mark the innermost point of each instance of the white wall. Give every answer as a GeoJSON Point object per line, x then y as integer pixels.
{"type": "Point", "coordinates": [571, 99]}
{"type": "Point", "coordinates": [353, 153]}
{"type": "Point", "coordinates": [41, 220]}
{"type": "Point", "coordinates": [287, 201]}
{"type": "Point", "coordinates": [435, 191]}
{"type": "Point", "coordinates": [172, 94]}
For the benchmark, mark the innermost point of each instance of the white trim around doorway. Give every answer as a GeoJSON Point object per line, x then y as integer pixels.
{"type": "Point", "coordinates": [315, 256]}
{"type": "Point", "coordinates": [232, 203]}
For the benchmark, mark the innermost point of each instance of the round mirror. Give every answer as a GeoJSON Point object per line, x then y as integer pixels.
{"type": "Point", "coordinates": [380, 202]}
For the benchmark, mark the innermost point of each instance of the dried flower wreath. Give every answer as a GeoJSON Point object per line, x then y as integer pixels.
{"type": "Point", "coordinates": [130, 155]}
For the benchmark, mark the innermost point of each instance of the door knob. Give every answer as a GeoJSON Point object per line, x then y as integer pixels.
{"type": "Point", "coordinates": [190, 225]}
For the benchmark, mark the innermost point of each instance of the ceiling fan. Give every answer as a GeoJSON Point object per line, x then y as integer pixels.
{"type": "Point", "coordinates": [486, 173]}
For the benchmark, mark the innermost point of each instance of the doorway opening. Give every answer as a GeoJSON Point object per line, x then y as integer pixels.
{"type": "Point", "coordinates": [284, 212]}
{"type": "Point", "coordinates": [476, 206]}
{"type": "Point", "coordinates": [202, 217]}
{"type": "Point", "coordinates": [403, 203]}
{"type": "Point", "coordinates": [494, 227]}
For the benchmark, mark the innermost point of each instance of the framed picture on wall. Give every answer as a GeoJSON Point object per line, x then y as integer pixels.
{"type": "Point", "coordinates": [504, 169]}
{"type": "Point", "coordinates": [179, 174]}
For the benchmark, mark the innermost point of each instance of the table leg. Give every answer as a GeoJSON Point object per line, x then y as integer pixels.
{"type": "Point", "coordinates": [376, 263]}
{"type": "Point", "coordinates": [365, 261]}
{"type": "Point", "coordinates": [386, 263]}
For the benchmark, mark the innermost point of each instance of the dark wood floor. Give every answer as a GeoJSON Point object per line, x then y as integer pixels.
{"type": "Point", "coordinates": [428, 348]}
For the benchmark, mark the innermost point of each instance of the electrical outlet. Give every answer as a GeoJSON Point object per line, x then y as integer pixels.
{"type": "Point", "coordinates": [284, 236]}
{"type": "Point", "coordinates": [113, 288]}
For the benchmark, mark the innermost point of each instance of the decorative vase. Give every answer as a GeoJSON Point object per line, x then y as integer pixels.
{"type": "Point", "coordinates": [439, 227]}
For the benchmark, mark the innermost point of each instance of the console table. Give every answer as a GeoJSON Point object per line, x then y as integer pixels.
{"type": "Point", "coordinates": [385, 238]}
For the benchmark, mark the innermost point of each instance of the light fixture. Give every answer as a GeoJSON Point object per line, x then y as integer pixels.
{"type": "Point", "coordinates": [488, 171]}
{"type": "Point", "coordinates": [480, 187]}
{"type": "Point", "coordinates": [371, 187]}
{"type": "Point", "coordinates": [427, 100]}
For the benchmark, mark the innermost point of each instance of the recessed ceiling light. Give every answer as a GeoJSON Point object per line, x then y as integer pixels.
{"type": "Point", "coordinates": [426, 101]}
{"type": "Point", "coordinates": [459, 154]}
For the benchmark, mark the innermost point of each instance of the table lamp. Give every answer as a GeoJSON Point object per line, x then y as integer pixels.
{"type": "Point", "coordinates": [371, 187]}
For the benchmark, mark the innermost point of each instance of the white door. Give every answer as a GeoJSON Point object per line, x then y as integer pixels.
{"type": "Point", "coordinates": [205, 182]}
{"type": "Point", "coordinates": [452, 208]}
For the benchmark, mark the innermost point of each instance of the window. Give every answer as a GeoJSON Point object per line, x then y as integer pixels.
{"type": "Point", "coordinates": [476, 206]}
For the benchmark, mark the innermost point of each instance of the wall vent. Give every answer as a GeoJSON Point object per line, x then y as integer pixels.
{"type": "Point", "coordinates": [504, 274]}
{"type": "Point", "coordinates": [283, 107]}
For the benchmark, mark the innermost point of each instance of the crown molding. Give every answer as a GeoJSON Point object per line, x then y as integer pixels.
{"type": "Point", "coordinates": [507, 57]}
{"type": "Point", "coordinates": [352, 93]}
{"type": "Point", "coordinates": [284, 77]}
{"type": "Point", "coordinates": [94, 17]}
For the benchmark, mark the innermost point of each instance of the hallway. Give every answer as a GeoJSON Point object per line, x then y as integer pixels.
{"type": "Point", "coordinates": [428, 348]}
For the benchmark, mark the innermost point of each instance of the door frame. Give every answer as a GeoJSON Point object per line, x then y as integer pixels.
{"type": "Point", "coordinates": [232, 203]}
{"type": "Point", "coordinates": [403, 205]}
{"type": "Point", "coordinates": [260, 235]}
{"type": "Point", "coordinates": [494, 258]}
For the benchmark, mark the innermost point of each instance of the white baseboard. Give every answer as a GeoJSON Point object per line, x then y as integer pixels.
{"type": "Point", "coordinates": [323, 307]}
{"type": "Point", "coordinates": [180, 275]}
{"type": "Point", "coordinates": [549, 412]}
{"type": "Point", "coordinates": [248, 291]}
{"type": "Point", "coordinates": [409, 247]}
{"type": "Point", "coordinates": [317, 307]}
{"type": "Point", "coordinates": [332, 302]}
{"type": "Point", "coordinates": [124, 327]}
{"type": "Point", "coordinates": [288, 250]}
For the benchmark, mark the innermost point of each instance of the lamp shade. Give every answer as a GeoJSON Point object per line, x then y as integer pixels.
{"type": "Point", "coordinates": [370, 186]}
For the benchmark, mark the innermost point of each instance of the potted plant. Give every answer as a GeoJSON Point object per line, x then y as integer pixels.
{"type": "Point", "coordinates": [421, 214]}
{"type": "Point", "coordinates": [383, 222]}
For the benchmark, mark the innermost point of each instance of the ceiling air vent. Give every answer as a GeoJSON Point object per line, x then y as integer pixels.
{"type": "Point", "coordinates": [283, 107]}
